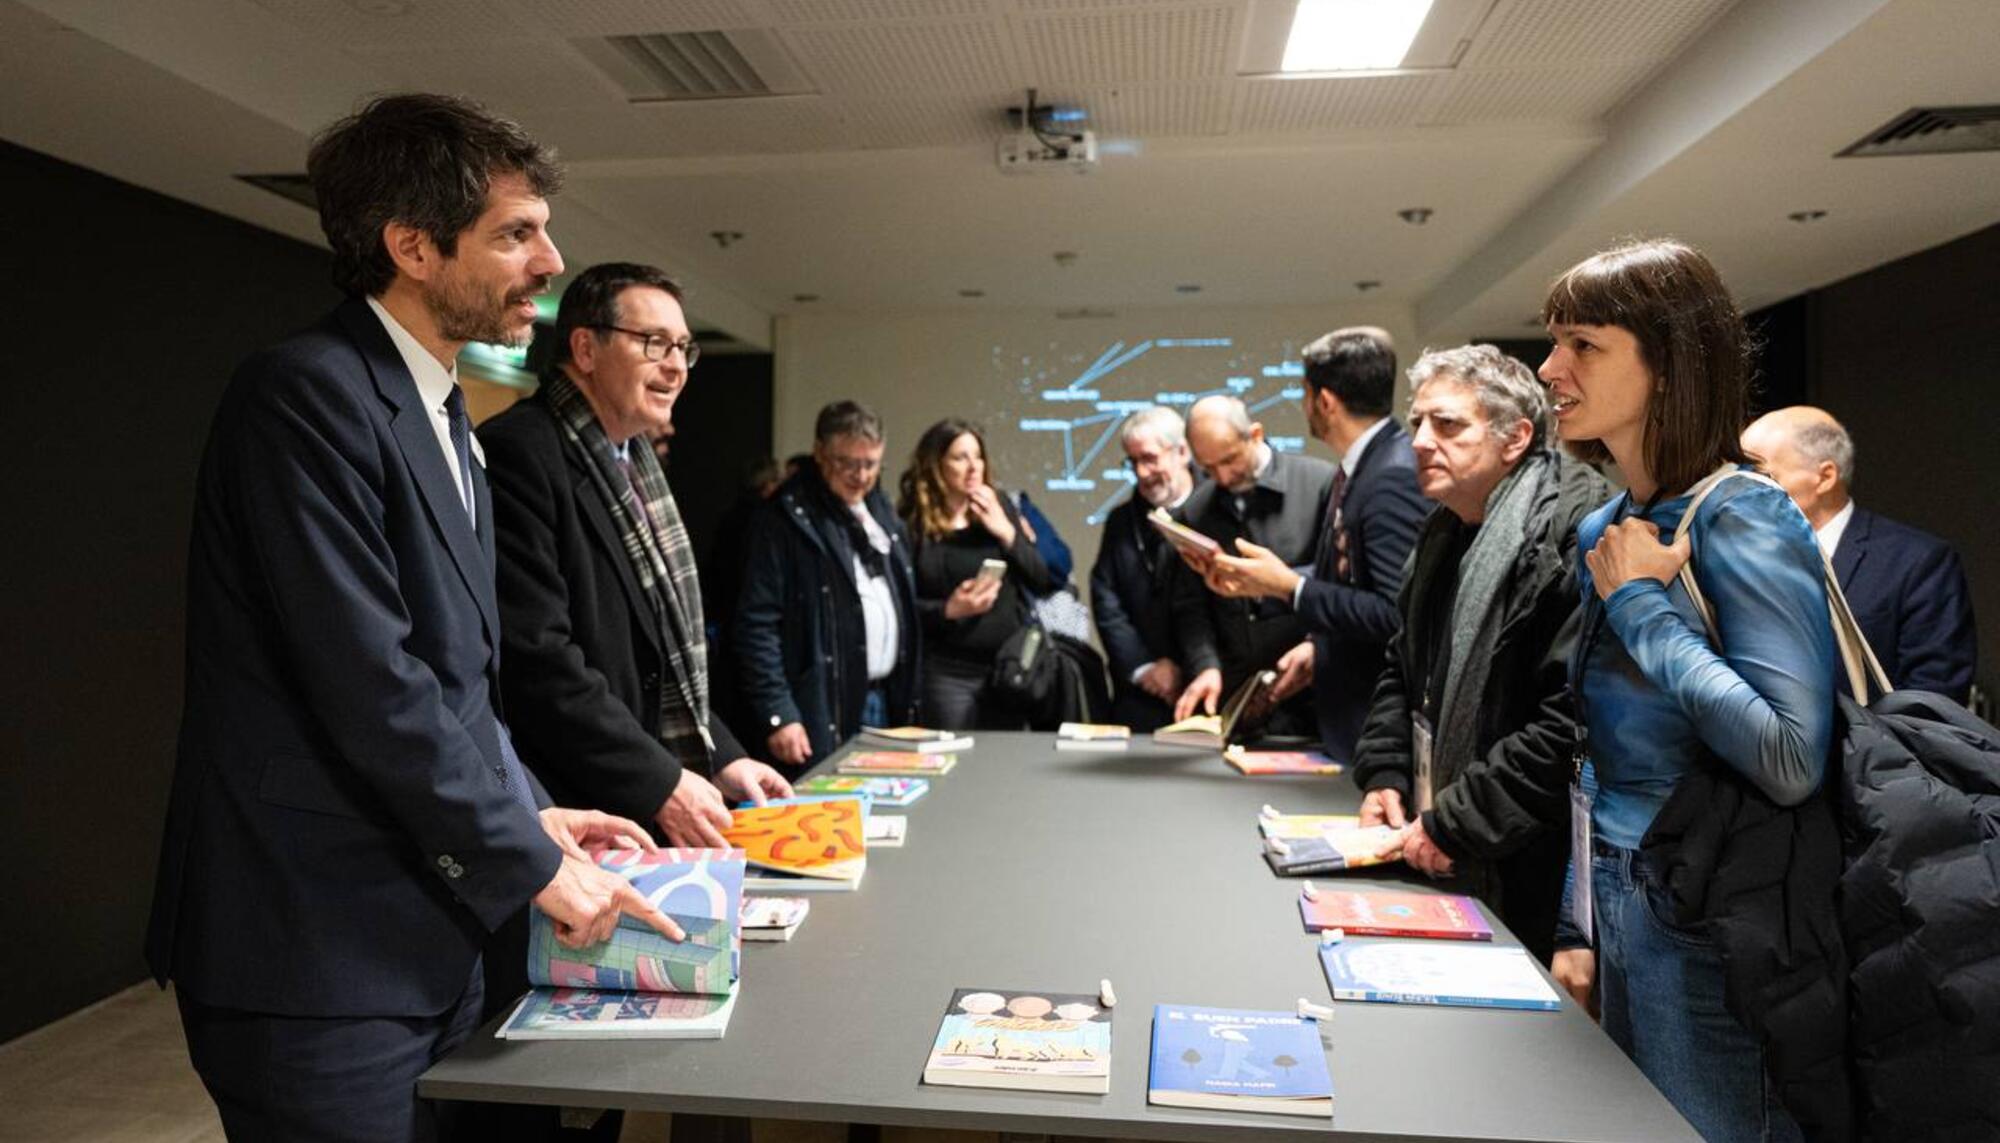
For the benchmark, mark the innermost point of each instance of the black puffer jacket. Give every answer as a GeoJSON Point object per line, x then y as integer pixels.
{"type": "Point", "coordinates": [1881, 1015]}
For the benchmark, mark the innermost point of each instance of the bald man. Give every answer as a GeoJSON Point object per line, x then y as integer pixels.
{"type": "Point", "coordinates": [1906, 586]}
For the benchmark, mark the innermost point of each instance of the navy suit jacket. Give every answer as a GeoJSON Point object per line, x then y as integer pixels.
{"type": "Point", "coordinates": [1351, 623]}
{"type": "Point", "coordinates": [341, 835]}
{"type": "Point", "coordinates": [1908, 590]}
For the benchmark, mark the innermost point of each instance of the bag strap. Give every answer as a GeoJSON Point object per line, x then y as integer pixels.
{"type": "Point", "coordinates": [1857, 658]}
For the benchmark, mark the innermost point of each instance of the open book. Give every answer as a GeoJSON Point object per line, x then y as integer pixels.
{"type": "Point", "coordinates": [1182, 537]}
{"type": "Point", "coordinates": [1216, 731]}
{"type": "Point", "coordinates": [638, 984]}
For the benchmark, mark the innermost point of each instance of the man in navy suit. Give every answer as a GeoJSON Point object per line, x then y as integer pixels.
{"type": "Point", "coordinates": [1906, 586]}
{"type": "Point", "coordinates": [1131, 585]}
{"type": "Point", "coordinates": [1348, 602]}
{"type": "Point", "coordinates": [348, 819]}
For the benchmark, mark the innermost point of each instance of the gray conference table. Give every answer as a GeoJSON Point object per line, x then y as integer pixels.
{"type": "Point", "coordinates": [1028, 867]}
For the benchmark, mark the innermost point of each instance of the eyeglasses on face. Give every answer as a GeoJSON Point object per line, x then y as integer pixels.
{"type": "Point", "coordinates": [853, 465]}
{"type": "Point", "coordinates": [656, 346]}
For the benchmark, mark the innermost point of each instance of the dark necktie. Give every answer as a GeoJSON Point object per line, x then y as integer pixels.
{"type": "Point", "coordinates": [513, 774]}
{"type": "Point", "coordinates": [1332, 562]}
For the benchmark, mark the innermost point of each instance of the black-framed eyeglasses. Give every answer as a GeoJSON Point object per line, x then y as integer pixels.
{"type": "Point", "coordinates": [656, 346]}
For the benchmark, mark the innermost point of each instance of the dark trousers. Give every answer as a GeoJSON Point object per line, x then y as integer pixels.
{"type": "Point", "coordinates": [1135, 708]}
{"type": "Point", "coordinates": [325, 1079]}
{"type": "Point", "coordinates": [958, 696]}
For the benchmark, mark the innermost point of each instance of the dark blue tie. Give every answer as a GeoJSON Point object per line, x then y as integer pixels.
{"type": "Point", "coordinates": [514, 775]}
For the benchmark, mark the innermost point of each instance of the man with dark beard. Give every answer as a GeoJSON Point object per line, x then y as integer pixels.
{"type": "Point", "coordinates": [349, 820]}
{"type": "Point", "coordinates": [1131, 585]}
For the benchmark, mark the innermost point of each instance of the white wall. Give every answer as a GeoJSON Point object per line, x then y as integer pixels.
{"type": "Point", "coordinates": [992, 367]}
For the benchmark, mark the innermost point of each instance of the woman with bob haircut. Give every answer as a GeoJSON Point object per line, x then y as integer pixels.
{"type": "Point", "coordinates": [958, 520]}
{"type": "Point", "coordinates": [1650, 369]}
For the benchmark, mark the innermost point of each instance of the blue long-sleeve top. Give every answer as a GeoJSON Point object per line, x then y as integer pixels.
{"type": "Point", "coordinates": [1656, 696]}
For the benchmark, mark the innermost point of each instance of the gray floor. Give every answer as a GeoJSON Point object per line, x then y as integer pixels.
{"type": "Point", "coordinates": [53, 1085]}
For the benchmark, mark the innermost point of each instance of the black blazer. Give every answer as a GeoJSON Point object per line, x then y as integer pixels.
{"type": "Point", "coordinates": [341, 836]}
{"type": "Point", "coordinates": [1351, 623]}
{"type": "Point", "coordinates": [584, 665]}
{"type": "Point", "coordinates": [800, 641]}
{"type": "Point", "coordinates": [1131, 589]}
{"type": "Point", "coordinates": [1908, 590]}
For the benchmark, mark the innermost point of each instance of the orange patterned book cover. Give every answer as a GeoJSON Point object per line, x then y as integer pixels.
{"type": "Point", "coordinates": [813, 839]}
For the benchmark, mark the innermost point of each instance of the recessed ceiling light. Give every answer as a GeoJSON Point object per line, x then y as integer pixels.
{"type": "Point", "coordinates": [726, 238]}
{"type": "Point", "coordinates": [805, 297]}
{"type": "Point", "coordinates": [1188, 288]}
{"type": "Point", "coordinates": [1806, 215]}
{"type": "Point", "coordinates": [1535, 321]}
{"type": "Point", "coordinates": [972, 293]}
{"type": "Point", "coordinates": [1352, 35]}
{"type": "Point", "coordinates": [1367, 284]}
{"type": "Point", "coordinates": [1415, 215]}
{"type": "Point", "coordinates": [1065, 257]}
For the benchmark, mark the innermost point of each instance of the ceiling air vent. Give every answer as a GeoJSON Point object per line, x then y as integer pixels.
{"type": "Point", "coordinates": [674, 67]}
{"type": "Point", "coordinates": [292, 188]}
{"type": "Point", "coordinates": [1933, 131]}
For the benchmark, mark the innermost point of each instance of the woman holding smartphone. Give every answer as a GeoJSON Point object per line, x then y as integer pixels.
{"type": "Point", "coordinates": [976, 569]}
{"type": "Point", "coordinates": [1650, 369]}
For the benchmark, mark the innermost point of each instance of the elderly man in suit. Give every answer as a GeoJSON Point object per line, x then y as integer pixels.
{"type": "Point", "coordinates": [349, 820]}
{"type": "Point", "coordinates": [1906, 586]}
{"type": "Point", "coordinates": [1348, 602]}
{"type": "Point", "coordinates": [1132, 582]}
{"type": "Point", "coordinates": [1272, 502]}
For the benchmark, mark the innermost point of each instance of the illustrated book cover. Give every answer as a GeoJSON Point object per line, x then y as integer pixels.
{"type": "Point", "coordinates": [1234, 1059]}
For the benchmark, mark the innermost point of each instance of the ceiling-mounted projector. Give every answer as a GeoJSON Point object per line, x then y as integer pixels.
{"type": "Point", "coordinates": [1026, 151]}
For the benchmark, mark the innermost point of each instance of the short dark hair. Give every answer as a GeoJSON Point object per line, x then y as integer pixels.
{"type": "Point", "coordinates": [590, 301]}
{"type": "Point", "coordinates": [425, 161]}
{"type": "Point", "coordinates": [1691, 336]}
{"type": "Point", "coordinates": [1359, 365]}
{"type": "Point", "coordinates": [847, 419]}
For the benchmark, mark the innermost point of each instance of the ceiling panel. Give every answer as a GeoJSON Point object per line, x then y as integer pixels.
{"type": "Point", "coordinates": [1130, 46]}
{"type": "Point", "coordinates": [523, 74]}
{"type": "Point", "coordinates": [1332, 104]}
{"type": "Point", "coordinates": [913, 59]}
{"type": "Point", "coordinates": [775, 125]}
{"type": "Point", "coordinates": [572, 18]}
{"type": "Point", "coordinates": [889, 121]}
{"type": "Point", "coordinates": [1577, 94]}
{"type": "Point", "coordinates": [1559, 34]}
{"type": "Point", "coordinates": [836, 11]}
{"type": "Point", "coordinates": [404, 24]}
{"type": "Point", "coordinates": [1157, 110]}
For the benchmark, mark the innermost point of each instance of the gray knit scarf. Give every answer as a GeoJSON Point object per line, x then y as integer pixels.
{"type": "Point", "coordinates": [661, 558]}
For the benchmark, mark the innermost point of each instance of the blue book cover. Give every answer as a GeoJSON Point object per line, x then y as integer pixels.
{"type": "Point", "coordinates": [1436, 972]}
{"type": "Point", "coordinates": [1238, 1059]}
{"type": "Point", "coordinates": [885, 791]}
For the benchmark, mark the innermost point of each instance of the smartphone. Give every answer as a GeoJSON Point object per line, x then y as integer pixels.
{"type": "Point", "coordinates": [992, 570]}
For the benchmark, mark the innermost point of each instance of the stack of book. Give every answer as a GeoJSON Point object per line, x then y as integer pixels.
{"type": "Point", "coordinates": [916, 739]}
{"type": "Point", "coordinates": [896, 763]}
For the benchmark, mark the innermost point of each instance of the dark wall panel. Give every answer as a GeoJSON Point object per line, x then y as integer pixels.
{"type": "Point", "coordinates": [137, 308]}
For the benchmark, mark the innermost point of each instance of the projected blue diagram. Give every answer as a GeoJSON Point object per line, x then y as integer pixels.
{"type": "Point", "coordinates": [1090, 458]}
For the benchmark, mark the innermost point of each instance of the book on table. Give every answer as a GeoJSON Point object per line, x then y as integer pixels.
{"type": "Point", "coordinates": [887, 831]}
{"type": "Point", "coordinates": [1330, 851]}
{"type": "Point", "coordinates": [1216, 731]}
{"type": "Point", "coordinates": [1448, 973]}
{"type": "Point", "coordinates": [884, 791]}
{"type": "Point", "coordinates": [896, 764]}
{"type": "Point", "coordinates": [1237, 1059]}
{"type": "Point", "coordinates": [773, 918]}
{"type": "Point", "coordinates": [1259, 763]}
{"type": "Point", "coordinates": [915, 739]}
{"type": "Point", "coordinates": [803, 845]}
{"type": "Point", "coordinates": [638, 984]}
{"type": "Point", "coordinates": [1026, 1039]}
{"type": "Point", "coordinates": [1289, 826]}
{"type": "Point", "coordinates": [1440, 916]}
{"type": "Point", "coordinates": [1093, 736]}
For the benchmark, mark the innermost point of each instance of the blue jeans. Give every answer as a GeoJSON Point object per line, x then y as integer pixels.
{"type": "Point", "coordinates": [875, 708]}
{"type": "Point", "coordinates": [1659, 988]}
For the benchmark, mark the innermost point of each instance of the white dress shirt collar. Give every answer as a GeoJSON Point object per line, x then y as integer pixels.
{"type": "Point", "coordinates": [1830, 532]}
{"type": "Point", "coordinates": [1352, 457]}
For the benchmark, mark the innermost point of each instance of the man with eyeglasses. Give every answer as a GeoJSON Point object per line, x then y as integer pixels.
{"type": "Point", "coordinates": [1131, 585]}
{"type": "Point", "coordinates": [826, 630]}
{"type": "Point", "coordinates": [605, 665]}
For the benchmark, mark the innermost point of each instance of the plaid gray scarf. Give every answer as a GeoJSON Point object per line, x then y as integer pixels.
{"type": "Point", "coordinates": [661, 559]}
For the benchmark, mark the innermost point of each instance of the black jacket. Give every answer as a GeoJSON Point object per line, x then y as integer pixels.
{"type": "Point", "coordinates": [799, 640]}
{"type": "Point", "coordinates": [1351, 622]}
{"type": "Point", "coordinates": [1507, 807]}
{"type": "Point", "coordinates": [582, 665]}
{"type": "Point", "coordinates": [1129, 588]}
{"type": "Point", "coordinates": [1880, 1017]}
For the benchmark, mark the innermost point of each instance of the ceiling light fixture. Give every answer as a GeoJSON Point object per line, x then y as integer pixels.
{"type": "Point", "coordinates": [1188, 288]}
{"type": "Point", "coordinates": [972, 293]}
{"type": "Point", "coordinates": [804, 298]}
{"type": "Point", "coordinates": [1415, 215]}
{"type": "Point", "coordinates": [726, 238]}
{"type": "Point", "coordinates": [1806, 215]}
{"type": "Point", "coordinates": [1065, 258]}
{"type": "Point", "coordinates": [1352, 35]}
{"type": "Point", "coordinates": [1367, 284]}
